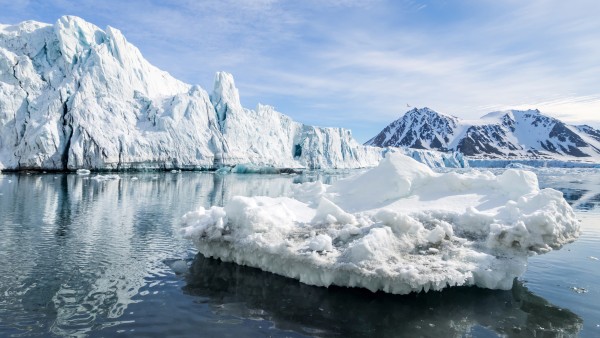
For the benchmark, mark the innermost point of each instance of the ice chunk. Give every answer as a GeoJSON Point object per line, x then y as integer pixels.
{"type": "Point", "coordinates": [178, 266]}
{"type": "Point", "coordinates": [321, 243]}
{"type": "Point", "coordinates": [102, 178]}
{"type": "Point", "coordinates": [253, 169]}
{"type": "Point", "coordinates": [517, 165]}
{"type": "Point", "coordinates": [390, 180]}
{"type": "Point", "coordinates": [398, 228]}
{"type": "Point", "coordinates": [308, 191]}
{"type": "Point", "coordinates": [223, 170]}
{"type": "Point", "coordinates": [328, 212]}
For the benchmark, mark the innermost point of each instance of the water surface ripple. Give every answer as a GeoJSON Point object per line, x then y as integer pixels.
{"type": "Point", "coordinates": [81, 256]}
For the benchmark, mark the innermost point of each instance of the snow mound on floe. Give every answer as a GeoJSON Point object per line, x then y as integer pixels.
{"type": "Point", "coordinates": [398, 227]}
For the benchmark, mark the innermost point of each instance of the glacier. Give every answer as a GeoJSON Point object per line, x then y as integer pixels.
{"type": "Point", "coordinates": [398, 228]}
{"type": "Point", "coordinates": [74, 96]}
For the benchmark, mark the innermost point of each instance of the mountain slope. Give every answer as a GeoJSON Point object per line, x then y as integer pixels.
{"type": "Point", "coordinates": [509, 134]}
{"type": "Point", "coordinates": [75, 96]}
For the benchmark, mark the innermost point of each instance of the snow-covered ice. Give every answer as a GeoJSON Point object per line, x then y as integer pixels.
{"type": "Point", "coordinates": [398, 227]}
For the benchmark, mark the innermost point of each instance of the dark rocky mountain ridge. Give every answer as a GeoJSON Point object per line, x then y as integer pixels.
{"type": "Point", "coordinates": [511, 134]}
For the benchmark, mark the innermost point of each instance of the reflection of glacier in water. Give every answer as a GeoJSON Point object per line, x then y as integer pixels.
{"type": "Point", "coordinates": [76, 251]}
{"type": "Point", "coordinates": [251, 293]}
{"type": "Point", "coordinates": [80, 256]}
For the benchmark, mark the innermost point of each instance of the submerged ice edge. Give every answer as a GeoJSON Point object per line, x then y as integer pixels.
{"type": "Point", "coordinates": [398, 228]}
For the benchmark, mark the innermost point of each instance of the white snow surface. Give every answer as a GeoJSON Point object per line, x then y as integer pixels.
{"type": "Point", "coordinates": [74, 96]}
{"type": "Point", "coordinates": [398, 227]}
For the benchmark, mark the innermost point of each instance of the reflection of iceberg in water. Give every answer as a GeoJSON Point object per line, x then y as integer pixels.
{"type": "Point", "coordinates": [251, 293]}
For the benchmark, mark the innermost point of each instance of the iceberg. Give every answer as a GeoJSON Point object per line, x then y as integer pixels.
{"type": "Point", "coordinates": [398, 228]}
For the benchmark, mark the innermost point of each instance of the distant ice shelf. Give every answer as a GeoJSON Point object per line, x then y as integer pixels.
{"type": "Point", "coordinates": [525, 163]}
{"type": "Point", "coordinates": [398, 228]}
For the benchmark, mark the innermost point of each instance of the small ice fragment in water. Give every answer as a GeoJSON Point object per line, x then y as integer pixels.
{"type": "Point", "coordinates": [579, 290]}
{"type": "Point", "coordinates": [178, 266]}
{"type": "Point", "coordinates": [134, 178]}
{"type": "Point", "coordinates": [83, 172]}
{"type": "Point", "coordinates": [102, 178]}
{"type": "Point", "coordinates": [223, 170]}
{"type": "Point", "coordinates": [593, 258]}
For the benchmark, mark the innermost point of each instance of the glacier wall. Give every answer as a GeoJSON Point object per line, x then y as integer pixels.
{"type": "Point", "coordinates": [75, 96]}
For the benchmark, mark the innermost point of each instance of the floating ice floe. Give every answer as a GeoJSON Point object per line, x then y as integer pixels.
{"type": "Point", "coordinates": [109, 177]}
{"type": "Point", "coordinates": [83, 172]}
{"type": "Point", "coordinates": [398, 227]}
{"type": "Point", "coordinates": [517, 165]}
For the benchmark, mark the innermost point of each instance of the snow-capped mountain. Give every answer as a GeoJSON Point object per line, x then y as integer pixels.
{"type": "Point", "coordinates": [511, 134]}
{"type": "Point", "coordinates": [75, 96]}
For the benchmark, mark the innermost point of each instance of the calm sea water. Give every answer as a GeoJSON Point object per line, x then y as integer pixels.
{"type": "Point", "coordinates": [83, 257]}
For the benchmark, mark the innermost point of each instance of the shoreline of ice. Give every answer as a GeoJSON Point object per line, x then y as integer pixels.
{"type": "Point", "coordinates": [398, 227]}
{"type": "Point", "coordinates": [525, 163]}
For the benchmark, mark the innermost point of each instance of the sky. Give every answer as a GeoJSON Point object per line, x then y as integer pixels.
{"type": "Point", "coordinates": [360, 64]}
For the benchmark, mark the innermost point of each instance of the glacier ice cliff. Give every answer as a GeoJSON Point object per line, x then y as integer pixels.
{"type": "Point", "coordinates": [75, 96]}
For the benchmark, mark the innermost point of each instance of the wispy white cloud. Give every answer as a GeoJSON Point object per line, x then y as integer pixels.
{"type": "Point", "coordinates": [357, 63]}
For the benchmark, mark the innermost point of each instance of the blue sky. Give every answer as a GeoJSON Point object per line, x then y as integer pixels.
{"type": "Point", "coordinates": [358, 63]}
